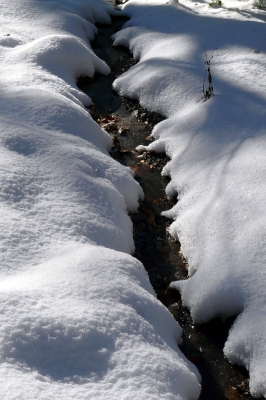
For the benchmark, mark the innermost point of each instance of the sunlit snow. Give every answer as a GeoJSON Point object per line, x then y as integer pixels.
{"type": "Point", "coordinates": [217, 149]}
{"type": "Point", "coordinates": [79, 318]}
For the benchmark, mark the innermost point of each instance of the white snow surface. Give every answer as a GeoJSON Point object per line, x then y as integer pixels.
{"type": "Point", "coordinates": [79, 318]}
{"type": "Point", "coordinates": [217, 149]}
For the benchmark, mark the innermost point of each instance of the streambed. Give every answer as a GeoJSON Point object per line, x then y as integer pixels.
{"type": "Point", "coordinates": [130, 125]}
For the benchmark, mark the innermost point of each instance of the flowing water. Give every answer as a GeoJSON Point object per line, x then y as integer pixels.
{"type": "Point", "coordinates": [130, 125]}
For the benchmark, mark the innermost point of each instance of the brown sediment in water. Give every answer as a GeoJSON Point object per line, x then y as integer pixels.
{"type": "Point", "coordinates": [129, 124]}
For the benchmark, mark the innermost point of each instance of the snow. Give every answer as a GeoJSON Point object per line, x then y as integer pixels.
{"type": "Point", "coordinates": [84, 325]}
{"type": "Point", "coordinates": [217, 150]}
{"type": "Point", "coordinates": [79, 318]}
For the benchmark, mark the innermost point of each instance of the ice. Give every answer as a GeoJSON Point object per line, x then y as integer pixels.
{"type": "Point", "coordinates": [217, 150]}
{"type": "Point", "coordinates": [79, 318]}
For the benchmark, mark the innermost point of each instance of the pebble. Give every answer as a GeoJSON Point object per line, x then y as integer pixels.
{"type": "Point", "coordinates": [135, 113]}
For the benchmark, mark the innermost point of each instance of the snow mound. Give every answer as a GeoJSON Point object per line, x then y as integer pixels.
{"type": "Point", "coordinates": [79, 318]}
{"type": "Point", "coordinates": [217, 150]}
{"type": "Point", "coordinates": [86, 324]}
{"type": "Point", "coordinates": [63, 52]}
{"type": "Point", "coordinates": [9, 42]}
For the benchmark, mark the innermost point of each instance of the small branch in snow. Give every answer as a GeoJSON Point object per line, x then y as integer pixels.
{"type": "Point", "coordinates": [209, 91]}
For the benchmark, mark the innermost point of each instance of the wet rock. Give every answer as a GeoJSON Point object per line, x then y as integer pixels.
{"type": "Point", "coordinates": [122, 130]}
{"type": "Point", "coordinates": [124, 127]}
{"type": "Point", "coordinates": [135, 113]}
{"type": "Point", "coordinates": [231, 393]}
{"type": "Point", "coordinates": [95, 113]}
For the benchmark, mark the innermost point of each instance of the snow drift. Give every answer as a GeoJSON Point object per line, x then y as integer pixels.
{"type": "Point", "coordinates": [79, 318]}
{"type": "Point", "coordinates": [217, 150]}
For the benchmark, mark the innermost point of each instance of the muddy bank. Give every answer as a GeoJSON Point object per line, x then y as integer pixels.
{"type": "Point", "coordinates": [130, 125]}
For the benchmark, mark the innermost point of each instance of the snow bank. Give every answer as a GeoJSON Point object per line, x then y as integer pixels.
{"type": "Point", "coordinates": [79, 319]}
{"type": "Point", "coordinates": [86, 324]}
{"type": "Point", "coordinates": [217, 151]}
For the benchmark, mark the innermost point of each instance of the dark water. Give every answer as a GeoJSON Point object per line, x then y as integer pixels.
{"type": "Point", "coordinates": [130, 125]}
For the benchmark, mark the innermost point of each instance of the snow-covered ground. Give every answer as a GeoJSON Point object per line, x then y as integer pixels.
{"type": "Point", "coordinates": [217, 149]}
{"type": "Point", "coordinates": [79, 318]}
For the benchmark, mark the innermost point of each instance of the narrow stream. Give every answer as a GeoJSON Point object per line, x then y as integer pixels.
{"type": "Point", "coordinates": [130, 125]}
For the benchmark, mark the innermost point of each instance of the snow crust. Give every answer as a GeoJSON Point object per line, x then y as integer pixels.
{"type": "Point", "coordinates": [217, 149]}
{"type": "Point", "coordinates": [79, 318]}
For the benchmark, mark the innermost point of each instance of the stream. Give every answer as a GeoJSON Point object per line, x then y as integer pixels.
{"type": "Point", "coordinates": [130, 125]}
